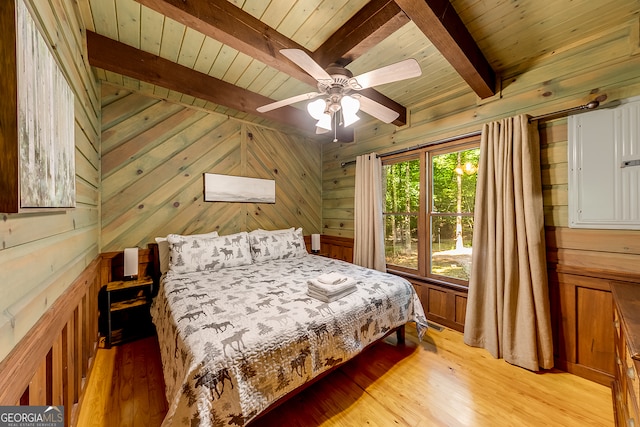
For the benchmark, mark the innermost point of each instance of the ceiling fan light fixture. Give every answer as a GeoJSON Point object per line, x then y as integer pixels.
{"type": "Point", "coordinates": [334, 85]}
{"type": "Point", "coordinates": [324, 122]}
{"type": "Point", "coordinates": [349, 119]}
{"type": "Point", "coordinates": [350, 106]}
{"type": "Point", "coordinates": [317, 108]}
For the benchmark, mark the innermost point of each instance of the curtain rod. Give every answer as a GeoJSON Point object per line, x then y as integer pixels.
{"type": "Point", "coordinates": [588, 106]}
{"type": "Point", "coordinates": [417, 147]}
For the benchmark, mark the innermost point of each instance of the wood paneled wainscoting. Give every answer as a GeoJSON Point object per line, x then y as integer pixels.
{"type": "Point", "coordinates": [336, 247]}
{"type": "Point", "coordinates": [49, 366]}
{"type": "Point", "coordinates": [442, 303]}
{"type": "Point", "coordinates": [582, 264]}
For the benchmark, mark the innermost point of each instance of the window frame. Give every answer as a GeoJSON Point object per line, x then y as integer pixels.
{"type": "Point", "coordinates": [403, 157]}
{"type": "Point", "coordinates": [424, 154]}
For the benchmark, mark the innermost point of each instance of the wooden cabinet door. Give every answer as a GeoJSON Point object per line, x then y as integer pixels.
{"type": "Point", "coordinates": [583, 326]}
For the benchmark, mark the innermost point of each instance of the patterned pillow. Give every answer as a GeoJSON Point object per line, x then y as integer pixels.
{"type": "Point", "coordinates": [278, 244]}
{"type": "Point", "coordinates": [190, 253]}
{"type": "Point", "coordinates": [164, 251]}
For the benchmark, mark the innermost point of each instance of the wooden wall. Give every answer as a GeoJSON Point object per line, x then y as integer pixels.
{"type": "Point", "coordinates": [581, 262]}
{"type": "Point", "coordinates": [41, 254]}
{"type": "Point", "coordinates": [154, 153]}
{"type": "Point", "coordinates": [51, 364]}
{"type": "Point", "coordinates": [605, 66]}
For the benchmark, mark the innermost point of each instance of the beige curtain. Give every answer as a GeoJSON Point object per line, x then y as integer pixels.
{"type": "Point", "coordinates": [368, 245]}
{"type": "Point", "coordinates": [508, 301]}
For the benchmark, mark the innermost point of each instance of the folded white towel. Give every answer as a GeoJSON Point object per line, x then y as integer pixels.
{"type": "Point", "coordinates": [323, 288]}
{"type": "Point", "coordinates": [332, 278]}
{"type": "Point", "coordinates": [325, 298]}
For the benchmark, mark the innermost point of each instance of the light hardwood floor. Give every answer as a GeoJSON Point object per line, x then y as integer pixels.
{"type": "Point", "coordinates": [437, 382]}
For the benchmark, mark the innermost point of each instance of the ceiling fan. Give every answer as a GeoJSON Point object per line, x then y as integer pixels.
{"type": "Point", "coordinates": [336, 84]}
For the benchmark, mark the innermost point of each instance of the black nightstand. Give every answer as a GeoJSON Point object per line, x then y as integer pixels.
{"type": "Point", "coordinates": [127, 310]}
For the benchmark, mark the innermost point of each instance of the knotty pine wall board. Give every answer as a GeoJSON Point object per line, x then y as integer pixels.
{"type": "Point", "coordinates": [114, 112]}
{"type": "Point", "coordinates": [42, 253]}
{"type": "Point", "coordinates": [136, 124]}
{"type": "Point", "coordinates": [160, 133]}
{"type": "Point", "coordinates": [165, 179]}
{"type": "Point", "coordinates": [152, 172]}
{"type": "Point", "coordinates": [185, 163]}
{"type": "Point", "coordinates": [152, 150]}
{"type": "Point", "coordinates": [605, 66]}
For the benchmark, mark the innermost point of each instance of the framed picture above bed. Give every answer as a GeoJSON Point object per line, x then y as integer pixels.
{"type": "Point", "coordinates": [229, 188]}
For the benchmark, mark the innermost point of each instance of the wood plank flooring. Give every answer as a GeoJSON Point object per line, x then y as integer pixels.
{"type": "Point", "coordinates": [437, 382]}
{"type": "Point", "coordinates": [126, 387]}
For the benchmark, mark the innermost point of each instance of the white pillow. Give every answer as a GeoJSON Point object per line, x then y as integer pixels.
{"type": "Point", "coordinates": [277, 244]}
{"type": "Point", "coordinates": [191, 253]}
{"type": "Point", "coordinates": [164, 251]}
{"type": "Point", "coordinates": [263, 231]}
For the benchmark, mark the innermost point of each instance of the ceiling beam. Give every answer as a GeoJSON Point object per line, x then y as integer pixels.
{"type": "Point", "coordinates": [438, 20]}
{"type": "Point", "coordinates": [120, 58]}
{"type": "Point", "coordinates": [376, 21]}
{"type": "Point", "coordinates": [230, 25]}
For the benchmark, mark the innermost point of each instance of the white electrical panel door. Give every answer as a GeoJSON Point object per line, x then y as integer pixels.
{"type": "Point", "coordinates": [604, 168]}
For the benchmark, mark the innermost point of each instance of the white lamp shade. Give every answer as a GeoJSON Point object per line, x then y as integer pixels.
{"type": "Point", "coordinates": [316, 108]}
{"type": "Point", "coordinates": [130, 262]}
{"type": "Point", "coordinates": [315, 242]}
{"type": "Point", "coordinates": [349, 119]}
{"type": "Point", "coordinates": [324, 122]}
{"type": "Point", "coordinates": [350, 107]}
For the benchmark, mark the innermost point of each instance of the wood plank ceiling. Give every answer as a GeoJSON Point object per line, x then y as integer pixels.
{"type": "Point", "coordinates": [224, 55]}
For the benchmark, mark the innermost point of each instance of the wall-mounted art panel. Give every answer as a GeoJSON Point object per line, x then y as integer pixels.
{"type": "Point", "coordinates": [37, 142]}
{"type": "Point", "coordinates": [227, 188]}
{"type": "Point", "coordinates": [45, 122]}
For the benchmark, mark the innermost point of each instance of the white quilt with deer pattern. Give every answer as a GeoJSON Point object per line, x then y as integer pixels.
{"type": "Point", "coordinates": [233, 341]}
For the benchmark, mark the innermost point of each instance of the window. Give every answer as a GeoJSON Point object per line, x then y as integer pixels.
{"type": "Point", "coordinates": [433, 242]}
{"type": "Point", "coordinates": [402, 201]}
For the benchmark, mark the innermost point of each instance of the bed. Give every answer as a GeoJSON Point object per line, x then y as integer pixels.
{"type": "Point", "coordinates": [238, 332]}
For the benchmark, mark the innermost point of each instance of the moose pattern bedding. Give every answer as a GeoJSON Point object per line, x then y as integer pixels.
{"type": "Point", "coordinates": [235, 340]}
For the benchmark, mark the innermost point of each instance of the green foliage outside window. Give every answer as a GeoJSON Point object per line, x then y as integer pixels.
{"type": "Point", "coordinates": [402, 202]}
{"type": "Point", "coordinates": [450, 219]}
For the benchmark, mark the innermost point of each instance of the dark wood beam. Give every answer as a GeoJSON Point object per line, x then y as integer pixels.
{"type": "Point", "coordinates": [438, 20]}
{"type": "Point", "coordinates": [120, 58]}
{"type": "Point", "coordinates": [230, 25]}
{"type": "Point", "coordinates": [376, 21]}
{"type": "Point", "coordinates": [227, 23]}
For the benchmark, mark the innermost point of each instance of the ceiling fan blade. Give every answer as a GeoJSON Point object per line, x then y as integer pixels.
{"type": "Point", "coordinates": [288, 101]}
{"type": "Point", "coordinates": [304, 61]}
{"type": "Point", "coordinates": [391, 73]}
{"type": "Point", "coordinates": [376, 109]}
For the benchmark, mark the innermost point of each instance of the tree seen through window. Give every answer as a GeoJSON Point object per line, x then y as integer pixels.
{"type": "Point", "coordinates": [448, 178]}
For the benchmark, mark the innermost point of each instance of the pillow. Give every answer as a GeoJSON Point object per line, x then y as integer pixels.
{"type": "Point", "coordinates": [261, 231]}
{"type": "Point", "coordinates": [163, 250]}
{"type": "Point", "coordinates": [277, 244]}
{"type": "Point", "coordinates": [194, 253]}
